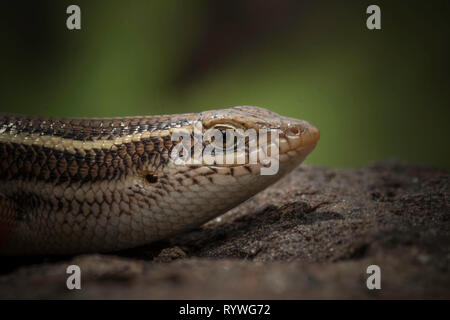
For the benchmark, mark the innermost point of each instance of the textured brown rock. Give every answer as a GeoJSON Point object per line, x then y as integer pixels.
{"type": "Point", "coordinates": [312, 235]}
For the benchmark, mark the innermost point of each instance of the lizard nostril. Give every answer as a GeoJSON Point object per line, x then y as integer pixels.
{"type": "Point", "coordinates": [293, 131]}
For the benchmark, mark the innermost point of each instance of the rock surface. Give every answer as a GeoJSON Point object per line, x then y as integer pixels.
{"type": "Point", "coordinates": [311, 235]}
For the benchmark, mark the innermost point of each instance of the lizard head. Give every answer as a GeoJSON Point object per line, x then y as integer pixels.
{"type": "Point", "coordinates": [240, 151]}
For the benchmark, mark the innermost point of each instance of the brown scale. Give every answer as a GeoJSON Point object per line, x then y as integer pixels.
{"type": "Point", "coordinates": [39, 163]}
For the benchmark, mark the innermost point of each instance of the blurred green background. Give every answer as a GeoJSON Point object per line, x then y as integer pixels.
{"type": "Point", "coordinates": [374, 95]}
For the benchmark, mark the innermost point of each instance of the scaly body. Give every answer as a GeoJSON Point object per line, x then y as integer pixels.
{"type": "Point", "coordinates": [84, 185]}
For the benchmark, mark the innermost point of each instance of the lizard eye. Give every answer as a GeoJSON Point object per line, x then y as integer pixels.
{"type": "Point", "coordinates": [228, 141]}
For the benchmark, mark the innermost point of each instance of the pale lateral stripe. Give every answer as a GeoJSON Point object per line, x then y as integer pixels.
{"type": "Point", "coordinates": [73, 146]}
